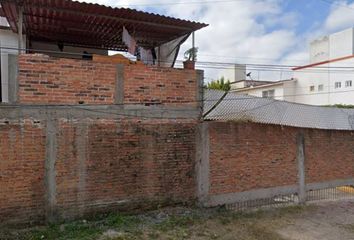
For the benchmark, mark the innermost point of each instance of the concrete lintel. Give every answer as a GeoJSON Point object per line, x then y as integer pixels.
{"type": "Point", "coordinates": [202, 162]}
{"type": "Point", "coordinates": [41, 112]}
{"type": "Point", "coordinates": [119, 88]}
{"type": "Point", "coordinates": [50, 173]}
{"type": "Point", "coordinates": [329, 184]}
{"type": "Point", "coordinates": [13, 78]}
{"type": "Point", "coordinates": [230, 198]}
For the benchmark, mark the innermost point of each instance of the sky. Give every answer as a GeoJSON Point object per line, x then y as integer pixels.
{"type": "Point", "coordinates": [252, 31]}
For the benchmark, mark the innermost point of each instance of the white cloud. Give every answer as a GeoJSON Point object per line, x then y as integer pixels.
{"type": "Point", "coordinates": [250, 31]}
{"type": "Point", "coordinates": [341, 16]}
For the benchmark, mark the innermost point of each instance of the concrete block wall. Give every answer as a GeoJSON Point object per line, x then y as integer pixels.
{"type": "Point", "coordinates": [43, 79]}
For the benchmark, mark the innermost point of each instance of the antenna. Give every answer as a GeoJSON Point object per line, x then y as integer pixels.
{"type": "Point", "coordinates": [249, 75]}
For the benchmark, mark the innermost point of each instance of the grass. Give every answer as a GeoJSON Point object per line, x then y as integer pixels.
{"type": "Point", "coordinates": [171, 224]}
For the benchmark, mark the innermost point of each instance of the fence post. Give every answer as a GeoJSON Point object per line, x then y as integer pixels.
{"type": "Point", "coordinates": [202, 164]}
{"type": "Point", "coordinates": [50, 173]}
{"type": "Point", "coordinates": [300, 157]}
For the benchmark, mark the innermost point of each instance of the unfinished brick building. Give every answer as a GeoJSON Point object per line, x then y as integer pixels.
{"type": "Point", "coordinates": [82, 133]}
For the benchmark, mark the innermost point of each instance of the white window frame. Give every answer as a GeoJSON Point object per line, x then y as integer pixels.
{"type": "Point", "coordinates": [348, 83]}
{"type": "Point", "coordinates": [312, 88]}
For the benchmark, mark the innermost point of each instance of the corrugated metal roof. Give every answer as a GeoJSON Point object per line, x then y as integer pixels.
{"type": "Point", "coordinates": [87, 24]}
{"type": "Point", "coordinates": [264, 110]}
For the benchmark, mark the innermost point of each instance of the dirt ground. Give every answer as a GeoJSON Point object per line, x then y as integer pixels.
{"type": "Point", "coordinates": [326, 221]}
{"type": "Point", "coordinates": [331, 220]}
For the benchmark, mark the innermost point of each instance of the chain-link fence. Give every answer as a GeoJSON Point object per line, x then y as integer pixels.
{"type": "Point", "coordinates": [264, 110]}
{"type": "Point", "coordinates": [328, 194]}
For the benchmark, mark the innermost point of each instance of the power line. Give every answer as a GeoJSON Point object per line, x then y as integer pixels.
{"type": "Point", "coordinates": [204, 64]}
{"type": "Point", "coordinates": [166, 104]}
{"type": "Point", "coordinates": [243, 57]}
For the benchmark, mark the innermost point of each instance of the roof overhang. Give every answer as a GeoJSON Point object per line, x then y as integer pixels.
{"type": "Point", "coordinates": [92, 25]}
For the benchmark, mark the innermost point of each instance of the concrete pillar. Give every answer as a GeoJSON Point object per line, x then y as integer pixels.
{"type": "Point", "coordinates": [200, 91]}
{"type": "Point", "coordinates": [119, 90]}
{"type": "Point", "coordinates": [202, 165]}
{"type": "Point", "coordinates": [81, 146]}
{"type": "Point", "coordinates": [50, 174]}
{"type": "Point", "coordinates": [300, 157]}
{"type": "Point", "coordinates": [12, 78]}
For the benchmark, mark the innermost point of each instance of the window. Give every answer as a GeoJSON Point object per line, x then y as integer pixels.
{"type": "Point", "coordinates": [312, 88]}
{"type": "Point", "coordinates": [348, 83]}
{"type": "Point", "coordinates": [320, 87]}
{"type": "Point", "coordinates": [268, 93]}
{"type": "Point", "coordinates": [337, 85]}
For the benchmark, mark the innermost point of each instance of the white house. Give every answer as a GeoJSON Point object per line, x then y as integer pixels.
{"type": "Point", "coordinates": [280, 90]}
{"type": "Point", "coordinates": [328, 79]}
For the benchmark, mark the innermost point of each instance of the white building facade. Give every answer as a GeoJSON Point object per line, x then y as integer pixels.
{"type": "Point", "coordinates": [280, 90]}
{"type": "Point", "coordinates": [327, 80]}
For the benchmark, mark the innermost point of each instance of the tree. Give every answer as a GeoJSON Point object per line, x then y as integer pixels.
{"type": "Point", "coordinates": [219, 84]}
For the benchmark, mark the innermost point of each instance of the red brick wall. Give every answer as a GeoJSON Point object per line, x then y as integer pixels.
{"type": "Point", "coordinates": [44, 79]}
{"type": "Point", "coordinates": [58, 80]}
{"type": "Point", "coordinates": [329, 155]}
{"type": "Point", "coordinates": [246, 156]}
{"type": "Point", "coordinates": [100, 165]}
{"type": "Point", "coordinates": [160, 85]}
{"type": "Point", "coordinates": [127, 162]}
{"type": "Point", "coordinates": [22, 163]}
{"type": "Point", "coordinates": [109, 164]}
{"type": "Point", "coordinates": [249, 156]}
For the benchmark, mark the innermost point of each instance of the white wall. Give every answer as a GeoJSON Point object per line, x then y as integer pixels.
{"type": "Point", "coordinates": [237, 85]}
{"type": "Point", "coordinates": [240, 72]}
{"type": "Point", "coordinates": [341, 44]}
{"type": "Point", "coordinates": [8, 39]}
{"type": "Point", "coordinates": [327, 77]}
{"type": "Point", "coordinates": [336, 45]}
{"type": "Point", "coordinates": [319, 50]}
{"type": "Point", "coordinates": [289, 91]}
{"type": "Point", "coordinates": [257, 92]}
